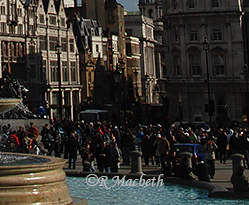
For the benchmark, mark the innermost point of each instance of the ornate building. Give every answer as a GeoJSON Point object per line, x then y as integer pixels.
{"type": "Point", "coordinates": [142, 27]}
{"type": "Point", "coordinates": [198, 73]}
{"type": "Point", "coordinates": [57, 60]}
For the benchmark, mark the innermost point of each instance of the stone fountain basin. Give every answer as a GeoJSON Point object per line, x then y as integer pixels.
{"type": "Point", "coordinates": [40, 182]}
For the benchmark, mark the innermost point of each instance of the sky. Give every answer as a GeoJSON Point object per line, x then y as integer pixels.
{"type": "Point", "coordinates": [129, 5]}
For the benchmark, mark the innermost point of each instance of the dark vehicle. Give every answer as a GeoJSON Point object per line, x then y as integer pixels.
{"type": "Point", "coordinates": [93, 115]}
{"type": "Point", "coordinates": [195, 149]}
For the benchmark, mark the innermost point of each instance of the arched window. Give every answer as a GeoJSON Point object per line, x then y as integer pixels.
{"type": "Point", "coordinates": [150, 12]}
{"type": "Point", "coordinates": [194, 61]}
{"type": "Point", "coordinates": [177, 62]}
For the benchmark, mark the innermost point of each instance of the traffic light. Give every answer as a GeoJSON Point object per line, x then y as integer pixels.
{"type": "Point", "coordinates": [206, 107]}
{"type": "Point", "coordinates": [211, 107]}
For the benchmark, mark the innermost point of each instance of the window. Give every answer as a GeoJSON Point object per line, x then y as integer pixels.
{"type": "Point", "coordinates": [97, 48]}
{"type": "Point", "coordinates": [20, 50]}
{"type": "Point", "coordinates": [52, 43]}
{"type": "Point", "coordinates": [175, 34]}
{"type": "Point", "coordinates": [12, 29]}
{"type": "Point", "coordinates": [193, 34]}
{"type": "Point", "coordinates": [63, 22]}
{"type": "Point", "coordinates": [3, 27]}
{"type": "Point", "coordinates": [52, 20]}
{"type": "Point", "coordinates": [217, 33]}
{"type": "Point", "coordinates": [150, 13]}
{"type": "Point", "coordinates": [31, 51]}
{"type": "Point", "coordinates": [32, 30]}
{"type": "Point", "coordinates": [71, 45]}
{"type": "Point", "coordinates": [218, 64]}
{"type": "Point", "coordinates": [20, 29]}
{"type": "Point", "coordinates": [174, 4]}
{"type": "Point", "coordinates": [191, 4]}
{"type": "Point", "coordinates": [65, 71]}
{"type": "Point", "coordinates": [215, 3]}
{"type": "Point", "coordinates": [54, 70]}
{"type": "Point", "coordinates": [194, 61]}
{"type": "Point", "coordinates": [73, 71]}
{"type": "Point", "coordinates": [2, 10]}
{"type": "Point", "coordinates": [19, 12]}
{"type": "Point", "coordinates": [41, 17]}
{"type": "Point", "coordinates": [43, 42]}
{"type": "Point", "coordinates": [177, 63]}
{"type": "Point", "coordinates": [63, 44]}
{"type": "Point", "coordinates": [160, 12]}
{"type": "Point", "coordinates": [110, 15]}
{"type": "Point", "coordinates": [43, 70]}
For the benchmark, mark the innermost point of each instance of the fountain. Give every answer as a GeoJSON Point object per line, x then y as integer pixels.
{"type": "Point", "coordinates": [28, 179]}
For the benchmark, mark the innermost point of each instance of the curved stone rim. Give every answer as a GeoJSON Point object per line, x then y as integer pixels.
{"type": "Point", "coordinates": [43, 183]}
{"type": "Point", "coordinates": [52, 161]}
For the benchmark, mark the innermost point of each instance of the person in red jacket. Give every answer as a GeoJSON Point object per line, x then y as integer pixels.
{"type": "Point", "coordinates": [33, 131]}
{"type": "Point", "coordinates": [12, 138]}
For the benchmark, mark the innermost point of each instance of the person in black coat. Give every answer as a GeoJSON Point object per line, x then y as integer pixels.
{"type": "Point", "coordinates": [104, 157]}
{"type": "Point", "coordinates": [202, 170]}
{"type": "Point", "coordinates": [222, 145]}
{"type": "Point", "coordinates": [146, 148]}
{"type": "Point", "coordinates": [73, 147]}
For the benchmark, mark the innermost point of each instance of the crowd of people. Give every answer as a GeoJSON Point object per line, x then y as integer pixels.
{"type": "Point", "coordinates": [104, 146]}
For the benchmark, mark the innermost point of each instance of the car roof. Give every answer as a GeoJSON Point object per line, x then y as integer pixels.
{"type": "Point", "coordinates": [187, 144]}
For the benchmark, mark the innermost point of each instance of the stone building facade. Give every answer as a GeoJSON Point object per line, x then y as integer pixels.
{"type": "Point", "coordinates": [186, 24]}
{"type": "Point", "coordinates": [30, 32]}
{"type": "Point", "coordinates": [143, 28]}
{"type": "Point", "coordinates": [56, 44]}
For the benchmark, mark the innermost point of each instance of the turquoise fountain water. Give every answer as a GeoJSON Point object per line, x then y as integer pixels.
{"type": "Point", "coordinates": [140, 195]}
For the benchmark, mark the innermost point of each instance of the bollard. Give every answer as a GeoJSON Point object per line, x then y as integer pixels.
{"type": "Point", "coordinates": [237, 161]}
{"type": "Point", "coordinates": [136, 164]}
{"type": "Point", "coordinates": [189, 157]}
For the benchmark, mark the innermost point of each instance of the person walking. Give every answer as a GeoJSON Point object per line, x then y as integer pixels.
{"type": "Point", "coordinates": [146, 148]}
{"type": "Point", "coordinates": [73, 150]}
{"type": "Point", "coordinates": [210, 148]}
{"type": "Point", "coordinates": [163, 149]}
{"type": "Point", "coordinates": [222, 145]}
{"type": "Point", "coordinates": [139, 138]}
{"type": "Point", "coordinates": [33, 131]}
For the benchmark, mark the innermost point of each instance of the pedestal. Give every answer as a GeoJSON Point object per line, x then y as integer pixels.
{"type": "Point", "coordinates": [136, 163]}
{"type": "Point", "coordinates": [237, 161]}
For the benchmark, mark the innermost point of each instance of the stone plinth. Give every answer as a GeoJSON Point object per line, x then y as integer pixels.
{"type": "Point", "coordinates": [43, 183]}
{"type": "Point", "coordinates": [136, 163]}
{"type": "Point", "coordinates": [188, 156]}
{"type": "Point", "coordinates": [237, 161]}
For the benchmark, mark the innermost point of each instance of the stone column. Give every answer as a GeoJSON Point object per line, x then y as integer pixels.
{"type": "Point", "coordinates": [189, 158]}
{"type": "Point", "coordinates": [237, 161]}
{"type": "Point", "coordinates": [136, 164]}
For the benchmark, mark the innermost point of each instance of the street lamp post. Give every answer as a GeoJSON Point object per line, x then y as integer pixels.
{"type": "Point", "coordinates": [117, 78]}
{"type": "Point", "coordinates": [206, 49]}
{"type": "Point", "coordinates": [29, 73]}
{"type": "Point", "coordinates": [246, 72]}
{"type": "Point", "coordinates": [122, 66]}
{"type": "Point", "coordinates": [58, 52]}
{"type": "Point", "coordinates": [136, 73]}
